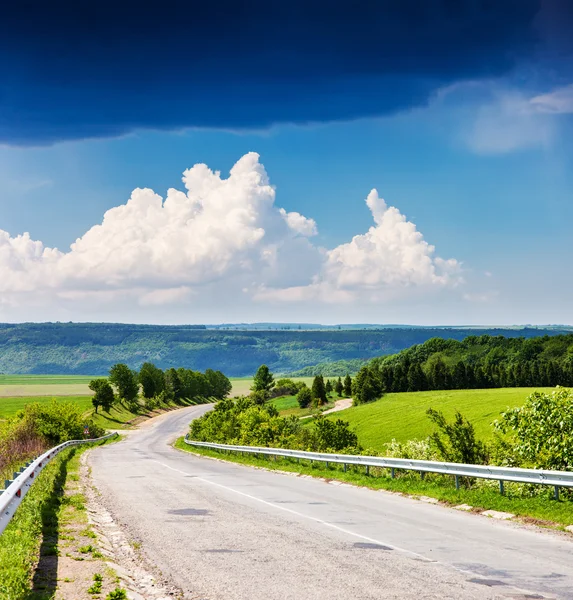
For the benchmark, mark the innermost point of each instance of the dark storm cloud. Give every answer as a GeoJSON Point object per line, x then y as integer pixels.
{"type": "Point", "coordinates": [75, 69]}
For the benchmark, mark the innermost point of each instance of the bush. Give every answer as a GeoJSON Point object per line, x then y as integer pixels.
{"type": "Point", "coordinates": [334, 436]}
{"type": "Point", "coordinates": [260, 397]}
{"type": "Point", "coordinates": [245, 423]}
{"type": "Point", "coordinates": [304, 397]}
{"type": "Point", "coordinates": [286, 387]}
{"type": "Point", "coordinates": [59, 421]}
{"type": "Point", "coordinates": [456, 441]}
{"type": "Point", "coordinates": [38, 427]}
{"type": "Point", "coordinates": [540, 433]}
{"type": "Point", "coordinates": [412, 449]}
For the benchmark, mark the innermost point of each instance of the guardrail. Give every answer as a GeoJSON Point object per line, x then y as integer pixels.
{"type": "Point", "coordinates": [16, 489]}
{"type": "Point", "coordinates": [557, 479]}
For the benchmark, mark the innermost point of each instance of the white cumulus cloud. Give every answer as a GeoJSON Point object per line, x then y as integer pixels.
{"type": "Point", "coordinates": [392, 253]}
{"type": "Point", "coordinates": [219, 242]}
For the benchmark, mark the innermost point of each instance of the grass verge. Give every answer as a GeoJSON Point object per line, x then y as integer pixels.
{"type": "Point", "coordinates": [538, 510]}
{"type": "Point", "coordinates": [29, 545]}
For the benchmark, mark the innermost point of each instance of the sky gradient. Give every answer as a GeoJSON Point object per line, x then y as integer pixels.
{"type": "Point", "coordinates": [388, 165]}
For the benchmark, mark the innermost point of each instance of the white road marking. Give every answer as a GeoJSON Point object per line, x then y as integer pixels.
{"type": "Point", "coordinates": [341, 529]}
{"type": "Point", "coordinates": [298, 514]}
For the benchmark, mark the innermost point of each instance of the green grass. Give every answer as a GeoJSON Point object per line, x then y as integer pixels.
{"type": "Point", "coordinates": [543, 509]}
{"type": "Point", "coordinates": [35, 530]}
{"type": "Point", "coordinates": [10, 406]}
{"type": "Point", "coordinates": [403, 416]}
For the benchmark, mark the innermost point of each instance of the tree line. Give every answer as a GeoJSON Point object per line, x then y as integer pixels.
{"type": "Point", "coordinates": [474, 363]}
{"type": "Point", "coordinates": [125, 385]}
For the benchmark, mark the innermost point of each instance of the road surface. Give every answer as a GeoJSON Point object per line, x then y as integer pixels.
{"type": "Point", "coordinates": [225, 531]}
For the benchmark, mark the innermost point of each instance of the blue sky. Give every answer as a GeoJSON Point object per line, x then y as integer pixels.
{"type": "Point", "coordinates": [460, 117]}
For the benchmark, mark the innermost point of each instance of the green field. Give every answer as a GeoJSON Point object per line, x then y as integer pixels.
{"type": "Point", "coordinates": [77, 385]}
{"type": "Point", "coordinates": [403, 416]}
{"type": "Point", "coordinates": [10, 406]}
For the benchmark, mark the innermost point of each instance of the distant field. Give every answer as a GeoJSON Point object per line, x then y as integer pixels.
{"type": "Point", "coordinates": [77, 385]}
{"type": "Point", "coordinates": [10, 406]}
{"type": "Point", "coordinates": [27, 386]}
{"type": "Point", "coordinates": [44, 379]}
{"type": "Point", "coordinates": [18, 390]}
{"type": "Point", "coordinates": [403, 416]}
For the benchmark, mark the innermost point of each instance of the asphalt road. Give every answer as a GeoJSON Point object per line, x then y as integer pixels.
{"type": "Point", "coordinates": [225, 531]}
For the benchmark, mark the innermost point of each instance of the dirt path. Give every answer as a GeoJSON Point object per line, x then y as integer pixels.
{"type": "Point", "coordinates": [342, 404]}
{"type": "Point", "coordinates": [339, 405]}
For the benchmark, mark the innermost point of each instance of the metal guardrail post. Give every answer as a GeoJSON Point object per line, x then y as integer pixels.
{"type": "Point", "coordinates": [556, 493]}
{"type": "Point", "coordinates": [556, 479]}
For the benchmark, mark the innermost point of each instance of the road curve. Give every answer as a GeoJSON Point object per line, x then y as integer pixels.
{"type": "Point", "coordinates": [225, 531]}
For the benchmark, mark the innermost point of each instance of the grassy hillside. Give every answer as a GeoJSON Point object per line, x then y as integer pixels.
{"type": "Point", "coordinates": [91, 348]}
{"type": "Point", "coordinates": [403, 415]}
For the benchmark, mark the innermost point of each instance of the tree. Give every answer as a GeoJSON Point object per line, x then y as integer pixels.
{"type": "Point", "coordinates": [367, 385]}
{"type": "Point", "coordinates": [438, 374]}
{"type": "Point", "coordinates": [318, 391]}
{"type": "Point", "coordinates": [328, 387]}
{"type": "Point", "coordinates": [263, 380]}
{"type": "Point", "coordinates": [304, 397]}
{"type": "Point", "coordinates": [459, 377]}
{"type": "Point", "coordinates": [220, 386]}
{"type": "Point", "coordinates": [348, 386]}
{"type": "Point", "coordinates": [339, 387]}
{"type": "Point", "coordinates": [151, 379]}
{"type": "Point", "coordinates": [125, 381]}
{"type": "Point", "coordinates": [103, 394]}
{"type": "Point", "coordinates": [173, 387]}
{"type": "Point", "coordinates": [416, 378]}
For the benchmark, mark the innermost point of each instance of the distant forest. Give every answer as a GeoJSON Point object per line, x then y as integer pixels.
{"type": "Point", "coordinates": [92, 348]}
{"type": "Point", "coordinates": [484, 361]}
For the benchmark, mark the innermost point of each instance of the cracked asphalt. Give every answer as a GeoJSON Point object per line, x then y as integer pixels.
{"type": "Point", "coordinates": [218, 530]}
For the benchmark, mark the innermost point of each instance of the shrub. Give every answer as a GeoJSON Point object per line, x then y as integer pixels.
{"type": "Point", "coordinates": [412, 449]}
{"type": "Point", "coordinates": [540, 433]}
{"type": "Point", "coordinates": [304, 397]}
{"type": "Point", "coordinates": [334, 436]}
{"type": "Point", "coordinates": [456, 441]}
{"type": "Point", "coordinates": [245, 423]}
{"type": "Point", "coordinates": [38, 427]}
